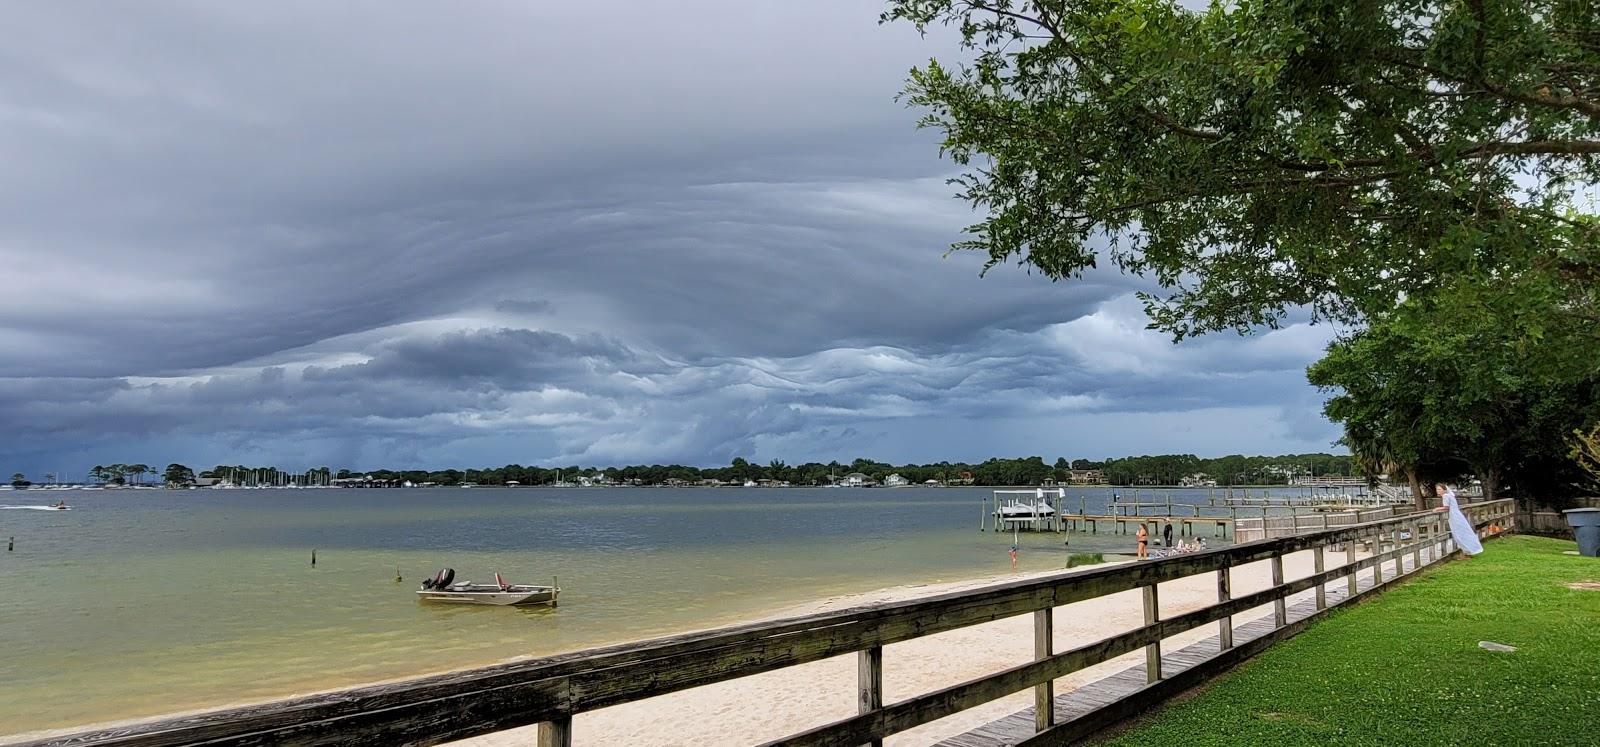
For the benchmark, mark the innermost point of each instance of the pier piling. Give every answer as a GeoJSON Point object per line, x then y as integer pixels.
{"type": "Point", "coordinates": [313, 558]}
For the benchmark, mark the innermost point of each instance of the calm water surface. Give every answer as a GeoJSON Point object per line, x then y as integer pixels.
{"type": "Point", "coordinates": [145, 602]}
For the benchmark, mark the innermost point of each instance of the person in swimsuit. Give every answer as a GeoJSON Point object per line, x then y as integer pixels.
{"type": "Point", "coordinates": [1144, 538]}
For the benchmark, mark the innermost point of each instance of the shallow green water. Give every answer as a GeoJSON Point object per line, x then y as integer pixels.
{"type": "Point", "coordinates": [144, 602]}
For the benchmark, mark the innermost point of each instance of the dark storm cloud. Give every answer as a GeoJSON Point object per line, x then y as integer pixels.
{"type": "Point", "coordinates": [308, 231]}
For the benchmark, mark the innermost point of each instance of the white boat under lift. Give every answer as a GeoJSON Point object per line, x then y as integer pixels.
{"type": "Point", "coordinates": [1032, 509]}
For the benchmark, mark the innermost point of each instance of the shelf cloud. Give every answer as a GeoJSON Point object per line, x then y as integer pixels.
{"type": "Point", "coordinates": [313, 234]}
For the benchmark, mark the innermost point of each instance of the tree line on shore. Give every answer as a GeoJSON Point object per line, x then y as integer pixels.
{"type": "Point", "coordinates": [1167, 469]}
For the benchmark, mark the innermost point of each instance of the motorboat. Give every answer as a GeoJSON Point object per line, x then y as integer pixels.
{"type": "Point", "coordinates": [445, 589]}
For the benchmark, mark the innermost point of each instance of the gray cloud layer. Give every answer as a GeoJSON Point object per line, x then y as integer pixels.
{"type": "Point", "coordinates": [536, 232]}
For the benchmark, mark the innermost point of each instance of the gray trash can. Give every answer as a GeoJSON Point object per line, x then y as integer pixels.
{"type": "Point", "coordinates": [1585, 523]}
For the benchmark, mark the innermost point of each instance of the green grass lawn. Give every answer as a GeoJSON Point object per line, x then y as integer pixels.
{"type": "Point", "coordinates": [1404, 667]}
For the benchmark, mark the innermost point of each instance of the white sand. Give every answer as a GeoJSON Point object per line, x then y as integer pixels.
{"type": "Point", "coordinates": [777, 704]}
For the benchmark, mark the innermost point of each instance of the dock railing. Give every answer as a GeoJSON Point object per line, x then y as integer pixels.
{"type": "Point", "coordinates": [549, 691]}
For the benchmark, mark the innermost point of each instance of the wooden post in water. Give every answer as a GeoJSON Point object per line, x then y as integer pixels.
{"type": "Point", "coordinates": [869, 681]}
{"type": "Point", "coordinates": [11, 544]}
{"type": "Point", "coordinates": [1044, 693]}
{"type": "Point", "coordinates": [1280, 611]}
{"type": "Point", "coordinates": [313, 558]}
{"type": "Point", "coordinates": [1320, 565]}
{"type": "Point", "coordinates": [983, 513]}
{"type": "Point", "coordinates": [1152, 652]}
{"type": "Point", "coordinates": [557, 733]}
{"type": "Point", "coordinates": [1225, 593]}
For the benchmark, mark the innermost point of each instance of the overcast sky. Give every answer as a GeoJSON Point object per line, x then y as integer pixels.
{"type": "Point", "coordinates": [372, 234]}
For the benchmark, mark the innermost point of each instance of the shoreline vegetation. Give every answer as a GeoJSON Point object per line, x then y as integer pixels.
{"type": "Point", "coordinates": [1167, 470]}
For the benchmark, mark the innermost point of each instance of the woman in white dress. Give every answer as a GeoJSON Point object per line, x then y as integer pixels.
{"type": "Point", "coordinates": [1460, 529]}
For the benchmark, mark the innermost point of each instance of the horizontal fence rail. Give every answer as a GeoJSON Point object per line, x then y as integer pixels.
{"type": "Point", "coordinates": [551, 690]}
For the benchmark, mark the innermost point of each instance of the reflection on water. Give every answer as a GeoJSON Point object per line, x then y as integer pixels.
{"type": "Point", "coordinates": [147, 602]}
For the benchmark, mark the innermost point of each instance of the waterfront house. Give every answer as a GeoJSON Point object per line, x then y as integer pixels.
{"type": "Point", "coordinates": [895, 481]}
{"type": "Point", "coordinates": [1086, 477]}
{"type": "Point", "coordinates": [857, 480]}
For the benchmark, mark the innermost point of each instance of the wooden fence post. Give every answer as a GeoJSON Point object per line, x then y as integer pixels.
{"type": "Point", "coordinates": [1377, 550]}
{"type": "Point", "coordinates": [1318, 568]}
{"type": "Point", "coordinates": [1225, 593]}
{"type": "Point", "coordinates": [556, 733]}
{"type": "Point", "coordinates": [1280, 611]}
{"type": "Point", "coordinates": [1350, 560]}
{"type": "Point", "coordinates": [869, 682]}
{"type": "Point", "coordinates": [1399, 557]}
{"type": "Point", "coordinates": [1044, 693]}
{"type": "Point", "coordinates": [1152, 652]}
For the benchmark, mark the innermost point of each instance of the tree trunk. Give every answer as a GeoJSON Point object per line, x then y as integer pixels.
{"type": "Point", "coordinates": [1416, 489]}
{"type": "Point", "coordinates": [1491, 484]}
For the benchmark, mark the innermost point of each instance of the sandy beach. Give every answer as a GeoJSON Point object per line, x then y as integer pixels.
{"type": "Point", "coordinates": [776, 704]}
{"type": "Point", "coordinates": [784, 702]}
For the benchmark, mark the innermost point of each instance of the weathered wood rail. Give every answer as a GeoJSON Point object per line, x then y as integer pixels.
{"type": "Point", "coordinates": [551, 690]}
{"type": "Point", "coordinates": [1260, 527]}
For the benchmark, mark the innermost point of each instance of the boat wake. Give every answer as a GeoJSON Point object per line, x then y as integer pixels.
{"type": "Point", "coordinates": [36, 508]}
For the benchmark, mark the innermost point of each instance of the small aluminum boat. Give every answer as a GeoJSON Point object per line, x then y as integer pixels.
{"type": "Point", "coordinates": [445, 589]}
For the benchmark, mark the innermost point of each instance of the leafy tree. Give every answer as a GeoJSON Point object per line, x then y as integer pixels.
{"type": "Point", "coordinates": [1442, 388]}
{"type": "Point", "coordinates": [177, 474]}
{"type": "Point", "coordinates": [20, 480]}
{"type": "Point", "coordinates": [1585, 451]}
{"type": "Point", "coordinates": [1255, 158]}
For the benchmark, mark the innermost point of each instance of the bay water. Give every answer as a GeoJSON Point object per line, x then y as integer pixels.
{"type": "Point", "coordinates": [141, 602]}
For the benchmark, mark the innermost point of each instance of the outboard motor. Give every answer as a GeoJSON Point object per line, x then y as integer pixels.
{"type": "Point", "coordinates": [441, 580]}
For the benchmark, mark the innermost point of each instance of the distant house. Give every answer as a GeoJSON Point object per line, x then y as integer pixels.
{"type": "Point", "coordinates": [931, 483]}
{"type": "Point", "coordinates": [1086, 477]}
{"type": "Point", "coordinates": [895, 481]}
{"type": "Point", "coordinates": [856, 480]}
{"type": "Point", "coordinates": [1197, 480]}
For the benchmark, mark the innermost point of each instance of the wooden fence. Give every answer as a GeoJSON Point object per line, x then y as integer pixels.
{"type": "Point", "coordinates": [551, 690]}
{"type": "Point", "coordinates": [1247, 529]}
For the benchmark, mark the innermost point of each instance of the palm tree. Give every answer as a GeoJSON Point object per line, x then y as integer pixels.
{"type": "Point", "coordinates": [50, 477]}
{"type": "Point", "coordinates": [138, 471]}
{"type": "Point", "coordinates": [96, 473]}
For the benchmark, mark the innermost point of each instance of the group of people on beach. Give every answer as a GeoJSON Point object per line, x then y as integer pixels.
{"type": "Point", "coordinates": [1182, 545]}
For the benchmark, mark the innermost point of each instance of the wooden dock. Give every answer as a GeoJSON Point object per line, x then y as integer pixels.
{"type": "Point", "coordinates": [1085, 710]}
{"type": "Point", "coordinates": [1222, 526]}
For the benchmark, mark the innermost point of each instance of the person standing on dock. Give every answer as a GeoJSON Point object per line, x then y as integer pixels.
{"type": "Point", "coordinates": [1166, 535]}
{"type": "Point", "coordinates": [1144, 539]}
{"type": "Point", "coordinates": [1460, 529]}
{"type": "Point", "coordinates": [1013, 558]}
